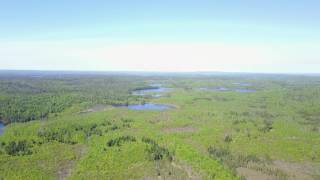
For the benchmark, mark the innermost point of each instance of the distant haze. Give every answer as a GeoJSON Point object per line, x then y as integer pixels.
{"type": "Point", "coordinates": [179, 36]}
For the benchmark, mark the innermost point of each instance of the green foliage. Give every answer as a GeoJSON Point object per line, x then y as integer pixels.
{"type": "Point", "coordinates": [233, 161]}
{"type": "Point", "coordinates": [157, 152]}
{"type": "Point", "coordinates": [119, 140]}
{"type": "Point", "coordinates": [18, 148]}
{"type": "Point", "coordinates": [218, 152]}
{"type": "Point", "coordinates": [267, 126]}
{"type": "Point", "coordinates": [250, 130]}
{"type": "Point", "coordinates": [60, 135]}
{"type": "Point", "coordinates": [228, 138]}
{"type": "Point", "coordinates": [27, 98]}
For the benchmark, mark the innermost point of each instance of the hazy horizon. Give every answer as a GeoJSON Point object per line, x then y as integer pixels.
{"type": "Point", "coordinates": [137, 72]}
{"type": "Point", "coordinates": [168, 36]}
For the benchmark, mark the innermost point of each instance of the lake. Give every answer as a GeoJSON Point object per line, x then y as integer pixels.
{"type": "Point", "coordinates": [224, 89]}
{"type": "Point", "coordinates": [147, 106]}
{"type": "Point", "coordinates": [242, 84]}
{"type": "Point", "coordinates": [154, 92]}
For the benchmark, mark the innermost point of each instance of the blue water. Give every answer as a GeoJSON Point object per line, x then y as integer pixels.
{"type": "Point", "coordinates": [1, 128]}
{"type": "Point", "coordinates": [156, 95]}
{"type": "Point", "coordinates": [153, 90]}
{"type": "Point", "coordinates": [226, 89]}
{"type": "Point", "coordinates": [214, 89]}
{"type": "Point", "coordinates": [156, 85]}
{"type": "Point", "coordinates": [242, 84]}
{"type": "Point", "coordinates": [147, 106]}
{"type": "Point", "coordinates": [244, 90]}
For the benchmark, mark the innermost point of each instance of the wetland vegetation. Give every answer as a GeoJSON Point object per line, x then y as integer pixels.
{"type": "Point", "coordinates": [68, 125]}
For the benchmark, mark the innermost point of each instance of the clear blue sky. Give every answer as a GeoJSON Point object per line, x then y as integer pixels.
{"type": "Point", "coordinates": [175, 35]}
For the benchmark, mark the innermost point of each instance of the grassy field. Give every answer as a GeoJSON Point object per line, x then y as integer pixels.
{"type": "Point", "coordinates": [269, 132]}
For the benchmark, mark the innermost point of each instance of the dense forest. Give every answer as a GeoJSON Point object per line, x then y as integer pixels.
{"type": "Point", "coordinates": [33, 95]}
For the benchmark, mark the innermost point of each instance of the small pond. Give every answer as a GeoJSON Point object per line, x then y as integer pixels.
{"type": "Point", "coordinates": [242, 84]}
{"type": "Point", "coordinates": [156, 85]}
{"type": "Point", "coordinates": [155, 91]}
{"type": "Point", "coordinates": [147, 106]}
{"type": "Point", "coordinates": [152, 90]}
{"type": "Point", "coordinates": [224, 89]}
{"type": "Point", "coordinates": [1, 128]}
{"type": "Point", "coordinates": [244, 90]}
{"type": "Point", "coordinates": [214, 89]}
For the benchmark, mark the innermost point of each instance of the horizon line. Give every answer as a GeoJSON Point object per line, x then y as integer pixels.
{"type": "Point", "coordinates": [163, 72]}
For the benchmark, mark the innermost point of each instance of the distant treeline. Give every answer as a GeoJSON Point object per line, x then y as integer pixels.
{"type": "Point", "coordinates": [26, 98]}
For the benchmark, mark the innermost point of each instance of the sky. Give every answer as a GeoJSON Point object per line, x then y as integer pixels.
{"type": "Point", "coordinates": [274, 36]}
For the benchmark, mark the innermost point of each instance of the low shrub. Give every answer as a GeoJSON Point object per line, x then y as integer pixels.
{"type": "Point", "coordinates": [232, 161]}
{"type": "Point", "coordinates": [228, 138]}
{"type": "Point", "coordinates": [18, 148]}
{"type": "Point", "coordinates": [267, 126]}
{"type": "Point", "coordinates": [157, 152]}
{"type": "Point", "coordinates": [60, 135]}
{"type": "Point", "coordinates": [118, 141]}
